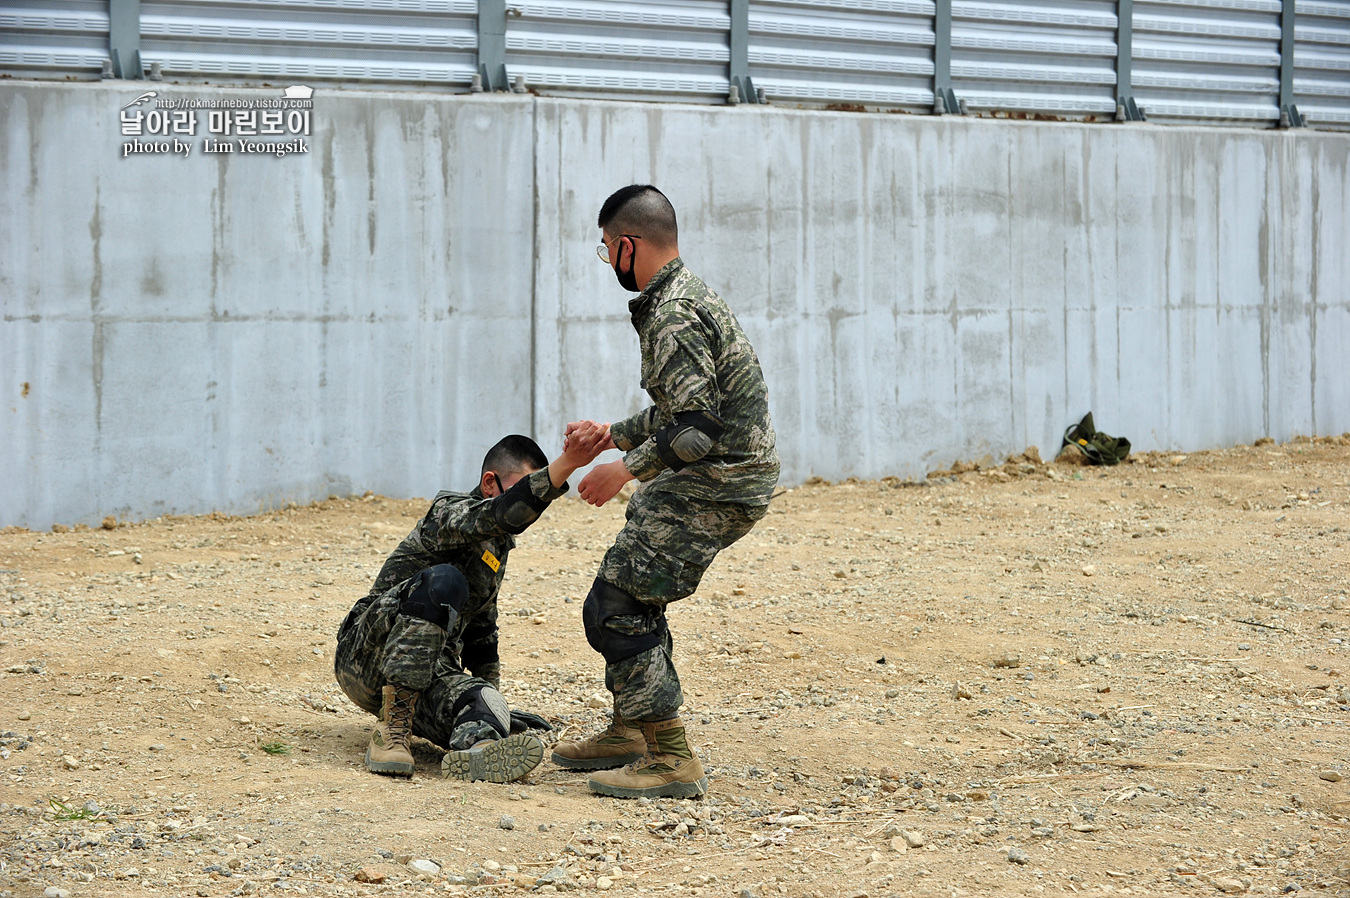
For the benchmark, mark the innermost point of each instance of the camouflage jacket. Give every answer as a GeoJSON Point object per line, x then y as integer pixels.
{"type": "Point", "coordinates": [461, 529]}
{"type": "Point", "coordinates": [695, 357]}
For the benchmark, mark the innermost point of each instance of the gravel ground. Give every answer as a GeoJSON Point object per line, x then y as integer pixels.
{"type": "Point", "coordinates": [1012, 679]}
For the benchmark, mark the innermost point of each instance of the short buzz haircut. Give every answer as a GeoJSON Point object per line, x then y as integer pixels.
{"type": "Point", "coordinates": [513, 454]}
{"type": "Point", "coordinates": [640, 210]}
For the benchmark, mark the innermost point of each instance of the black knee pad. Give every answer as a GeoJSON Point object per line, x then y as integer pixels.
{"type": "Point", "coordinates": [436, 594]}
{"type": "Point", "coordinates": [484, 704]}
{"type": "Point", "coordinates": [607, 602]}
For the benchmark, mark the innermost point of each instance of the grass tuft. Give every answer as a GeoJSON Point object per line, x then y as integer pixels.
{"type": "Point", "coordinates": [65, 811]}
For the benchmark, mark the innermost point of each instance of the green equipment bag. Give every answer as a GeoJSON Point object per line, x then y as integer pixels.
{"type": "Point", "coordinates": [1099, 448]}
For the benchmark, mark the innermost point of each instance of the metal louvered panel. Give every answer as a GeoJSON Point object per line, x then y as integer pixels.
{"type": "Point", "coordinates": [1208, 59]}
{"type": "Point", "coordinates": [53, 38]}
{"type": "Point", "coordinates": [672, 50]}
{"type": "Point", "coordinates": [1053, 57]}
{"type": "Point", "coordinates": [1322, 62]}
{"type": "Point", "coordinates": [1189, 60]}
{"type": "Point", "coordinates": [866, 52]}
{"type": "Point", "coordinates": [392, 41]}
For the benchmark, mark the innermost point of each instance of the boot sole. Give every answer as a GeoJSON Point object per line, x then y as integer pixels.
{"type": "Point", "coordinates": [503, 761]}
{"type": "Point", "coordinates": [668, 790]}
{"type": "Point", "coordinates": [596, 763]}
{"type": "Point", "coordinates": [388, 768]}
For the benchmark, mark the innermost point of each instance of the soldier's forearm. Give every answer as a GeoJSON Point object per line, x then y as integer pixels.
{"type": "Point", "coordinates": [643, 461]}
{"type": "Point", "coordinates": [634, 430]}
{"type": "Point", "coordinates": [559, 470]}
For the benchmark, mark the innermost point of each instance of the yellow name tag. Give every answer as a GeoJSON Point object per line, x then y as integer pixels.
{"type": "Point", "coordinates": [491, 561]}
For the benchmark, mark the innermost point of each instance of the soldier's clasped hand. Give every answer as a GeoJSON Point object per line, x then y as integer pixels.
{"type": "Point", "coordinates": [584, 440]}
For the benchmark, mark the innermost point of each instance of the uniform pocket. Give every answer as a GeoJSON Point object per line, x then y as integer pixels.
{"type": "Point", "coordinates": [666, 577]}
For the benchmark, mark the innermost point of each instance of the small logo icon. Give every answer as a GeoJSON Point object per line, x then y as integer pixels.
{"type": "Point", "coordinates": [296, 92]}
{"type": "Point", "coordinates": [148, 95]}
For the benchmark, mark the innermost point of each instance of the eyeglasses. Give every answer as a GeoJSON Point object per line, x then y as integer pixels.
{"type": "Point", "coordinates": [603, 249]}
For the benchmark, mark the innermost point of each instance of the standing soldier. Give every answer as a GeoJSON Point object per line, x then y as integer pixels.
{"type": "Point", "coordinates": [705, 454]}
{"type": "Point", "coordinates": [420, 650]}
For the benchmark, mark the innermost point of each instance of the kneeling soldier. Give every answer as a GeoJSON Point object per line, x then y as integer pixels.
{"type": "Point", "coordinates": [420, 650]}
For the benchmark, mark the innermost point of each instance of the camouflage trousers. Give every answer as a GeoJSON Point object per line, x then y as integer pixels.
{"type": "Point", "coordinates": [381, 646]}
{"type": "Point", "coordinates": [659, 557]}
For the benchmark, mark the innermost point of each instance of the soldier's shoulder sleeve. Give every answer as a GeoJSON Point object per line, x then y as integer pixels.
{"type": "Point", "coordinates": [458, 519]}
{"type": "Point", "coordinates": [684, 358]}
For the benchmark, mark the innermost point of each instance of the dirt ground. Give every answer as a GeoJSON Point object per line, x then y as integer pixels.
{"type": "Point", "coordinates": [1026, 679]}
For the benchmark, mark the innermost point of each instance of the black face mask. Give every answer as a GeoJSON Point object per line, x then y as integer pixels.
{"type": "Point", "coordinates": [626, 281]}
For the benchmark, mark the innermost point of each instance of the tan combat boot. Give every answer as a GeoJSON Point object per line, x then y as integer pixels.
{"type": "Point", "coordinates": [388, 751]}
{"type": "Point", "coordinates": [619, 745]}
{"type": "Point", "coordinates": [669, 770]}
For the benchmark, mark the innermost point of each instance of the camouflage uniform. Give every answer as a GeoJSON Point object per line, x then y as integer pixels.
{"type": "Point", "coordinates": [695, 357]}
{"type": "Point", "coordinates": [378, 645]}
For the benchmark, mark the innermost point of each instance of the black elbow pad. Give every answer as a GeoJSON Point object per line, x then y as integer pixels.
{"type": "Point", "coordinates": [688, 438]}
{"type": "Point", "coordinates": [517, 508]}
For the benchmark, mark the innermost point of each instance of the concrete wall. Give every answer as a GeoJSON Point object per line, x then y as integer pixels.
{"type": "Point", "coordinates": [230, 332]}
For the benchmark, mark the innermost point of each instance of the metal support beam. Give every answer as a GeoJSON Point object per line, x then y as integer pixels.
{"type": "Point", "coordinates": [124, 38]}
{"type": "Point", "coordinates": [491, 46]}
{"type": "Point", "coordinates": [1289, 117]}
{"type": "Point", "coordinates": [1126, 108]}
{"type": "Point", "coordinates": [944, 98]}
{"type": "Point", "coordinates": [742, 89]}
{"type": "Point", "coordinates": [1124, 49]}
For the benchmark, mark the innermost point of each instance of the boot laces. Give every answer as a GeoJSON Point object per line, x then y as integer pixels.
{"type": "Point", "coordinates": [635, 766]}
{"type": "Point", "coordinates": [651, 759]}
{"type": "Point", "coordinates": [399, 725]}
